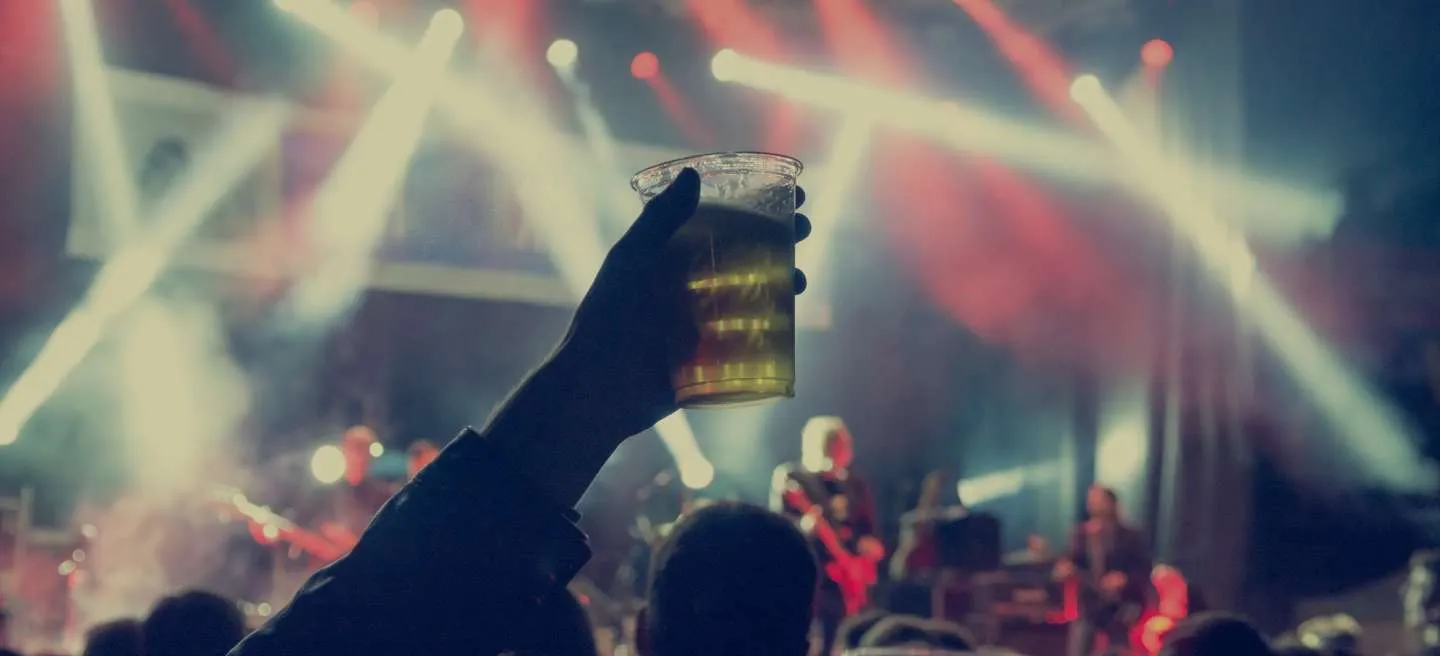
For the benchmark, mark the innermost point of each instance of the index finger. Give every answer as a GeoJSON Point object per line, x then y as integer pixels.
{"type": "Point", "coordinates": [664, 214]}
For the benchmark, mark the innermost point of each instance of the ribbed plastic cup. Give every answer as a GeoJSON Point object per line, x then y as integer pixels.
{"type": "Point", "coordinates": [737, 257]}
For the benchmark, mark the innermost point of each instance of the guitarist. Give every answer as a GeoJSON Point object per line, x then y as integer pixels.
{"type": "Point", "coordinates": [344, 510]}
{"type": "Point", "coordinates": [823, 487]}
{"type": "Point", "coordinates": [1108, 565]}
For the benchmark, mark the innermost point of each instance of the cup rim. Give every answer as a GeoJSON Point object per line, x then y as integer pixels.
{"type": "Point", "coordinates": [761, 162]}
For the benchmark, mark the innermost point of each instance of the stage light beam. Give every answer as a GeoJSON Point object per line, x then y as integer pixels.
{"type": "Point", "coordinates": [128, 273]}
{"type": "Point", "coordinates": [352, 206]}
{"type": "Point", "coordinates": [723, 65]}
{"type": "Point", "coordinates": [1373, 434]}
{"type": "Point", "coordinates": [1262, 203]}
{"type": "Point", "coordinates": [1157, 54]}
{"type": "Point", "coordinates": [1084, 88]}
{"type": "Point", "coordinates": [562, 54]}
{"type": "Point", "coordinates": [645, 66]}
{"type": "Point", "coordinates": [105, 153]}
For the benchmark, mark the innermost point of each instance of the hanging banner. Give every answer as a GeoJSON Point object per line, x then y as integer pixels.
{"type": "Point", "coordinates": [456, 227]}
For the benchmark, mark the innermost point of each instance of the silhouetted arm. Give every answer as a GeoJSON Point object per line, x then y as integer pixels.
{"type": "Point", "coordinates": [457, 561]}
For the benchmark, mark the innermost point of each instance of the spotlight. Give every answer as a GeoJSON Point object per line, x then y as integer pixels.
{"type": "Point", "coordinates": [448, 22]}
{"type": "Point", "coordinates": [697, 476]}
{"type": "Point", "coordinates": [1084, 88]}
{"type": "Point", "coordinates": [328, 464]}
{"type": "Point", "coordinates": [1157, 54]}
{"type": "Point", "coordinates": [562, 53]}
{"type": "Point", "coordinates": [645, 66]}
{"type": "Point", "coordinates": [722, 65]}
{"type": "Point", "coordinates": [376, 449]}
{"type": "Point", "coordinates": [363, 11]}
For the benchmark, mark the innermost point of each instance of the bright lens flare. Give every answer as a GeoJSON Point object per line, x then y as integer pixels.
{"type": "Point", "coordinates": [1084, 88]}
{"type": "Point", "coordinates": [447, 24]}
{"type": "Point", "coordinates": [645, 66]}
{"type": "Point", "coordinates": [698, 476]}
{"type": "Point", "coordinates": [562, 53]}
{"type": "Point", "coordinates": [328, 464]}
{"type": "Point", "coordinates": [723, 64]}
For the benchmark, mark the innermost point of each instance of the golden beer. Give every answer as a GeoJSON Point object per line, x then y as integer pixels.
{"type": "Point", "coordinates": [736, 256]}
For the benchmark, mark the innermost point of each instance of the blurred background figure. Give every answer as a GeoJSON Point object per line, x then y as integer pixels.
{"type": "Point", "coordinates": [1421, 599]}
{"type": "Point", "coordinates": [193, 623]}
{"type": "Point", "coordinates": [1333, 635]}
{"type": "Point", "coordinates": [115, 638]}
{"type": "Point", "coordinates": [420, 453]}
{"type": "Point", "coordinates": [343, 513]}
{"type": "Point", "coordinates": [1215, 634]}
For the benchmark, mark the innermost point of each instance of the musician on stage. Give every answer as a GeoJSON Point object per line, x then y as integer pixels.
{"type": "Point", "coordinates": [823, 490]}
{"type": "Point", "coordinates": [918, 556]}
{"type": "Point", "coordinates": [355, 500]}
{"type": "Point", "coordinates": [1108, 564]}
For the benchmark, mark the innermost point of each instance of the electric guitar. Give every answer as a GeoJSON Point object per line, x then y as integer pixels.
{"type": "Point", "coordinates": [1104, 606]}
{"type": "Point", "coordinates": [268, 527]}
{"type": "Point", "coordinates": [853, 574]}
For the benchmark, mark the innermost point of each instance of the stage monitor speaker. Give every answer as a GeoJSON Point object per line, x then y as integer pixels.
{"type": "Point", "coordinates": [970, 543]}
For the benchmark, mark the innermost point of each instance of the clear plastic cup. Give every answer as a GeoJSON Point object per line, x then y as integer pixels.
{"type": "Point", "coordinates": [737, 257]}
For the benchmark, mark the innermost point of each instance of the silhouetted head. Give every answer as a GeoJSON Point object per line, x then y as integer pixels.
{"type": "Point", "coordinates": [1215, 634]}
{"type": "Point", "coordinates": [116, 638]}
{"type": "Point", "coordinates": [193, 623]}
{"type": "Point", "coordinates": [731, 578]}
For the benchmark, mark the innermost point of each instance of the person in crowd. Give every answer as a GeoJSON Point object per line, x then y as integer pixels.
{"type": "Point", "coordinates": [911, 631]}
{"type": "Point", "coordinates": [853, 630]}
{"type": "Point", "coordinates": [731, 578]}
{"type": "Point", "coordinates": [461, 560]}
{"type": "Point", "coordinates": [1215, 634]}
{"type": "Point", "coordinates": [823, 493]}
{"type": "Point", "coordinates": [193, 623]}
{"type": "Point", "coordinates": [563, 629]}
{"type": "Point", "coordinates": [918, 555]}
{"type": "Point", "coordinates": [1294, 648]}
{"type": "Point", "coordinates": [115, 638]}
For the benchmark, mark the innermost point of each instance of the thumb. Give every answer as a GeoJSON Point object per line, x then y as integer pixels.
{"type": "Point", "coordinates": [664, 214]}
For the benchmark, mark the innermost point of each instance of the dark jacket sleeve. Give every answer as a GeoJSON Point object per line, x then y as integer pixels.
{"type": "Point", "coordinates": [457, 562]}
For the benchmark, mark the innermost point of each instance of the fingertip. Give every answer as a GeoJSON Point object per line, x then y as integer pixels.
{"type": "Point", "coordinates": [799, 196]}
{"type": "Point", "coordinates": [801, 282]}
{"type": "Point", "coordinates": [803, 227]}
{"type": "Point", "coordinates": [687, 182]}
